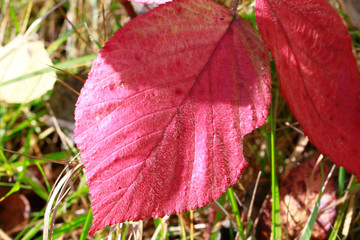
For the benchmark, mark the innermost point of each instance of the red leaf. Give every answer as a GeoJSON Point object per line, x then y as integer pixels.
{"type": "Point", "coordinates": [318, 74]}
{"type": "Point", "coordinates": [161, 118]}
{"type": "Point", "coordinates": [152, 1]}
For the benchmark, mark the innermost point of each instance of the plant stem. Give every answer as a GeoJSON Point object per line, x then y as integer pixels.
{"type": "Point", "coordinates": [129, 8]}
{"type": "Point", "coordinates": [235, 4]}
{"type": "Point", "coordinates": [276, 218]}
{"type": "Point", "coordinates": [341, 182]}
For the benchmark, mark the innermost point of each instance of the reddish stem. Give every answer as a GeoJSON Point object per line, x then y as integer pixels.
{"type": "Point", "coordinates": [235, 4]}
{"type": "Point", "coordinates": [129, 8]}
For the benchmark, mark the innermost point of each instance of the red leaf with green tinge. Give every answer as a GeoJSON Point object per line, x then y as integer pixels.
{"type": "Point", "coordinates": [161, 118]}
{"type": "Point", "coordinates": [318, 74]}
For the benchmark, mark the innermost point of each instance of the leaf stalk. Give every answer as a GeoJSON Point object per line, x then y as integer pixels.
{"type": "Point", "coordinates": [234, 7]}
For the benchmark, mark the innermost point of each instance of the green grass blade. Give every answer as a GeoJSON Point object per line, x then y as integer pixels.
{"type": "Point", "coordinates": [27, 229]}
{"type": "Point", "coordinates": [15, 116]}
{"type": "Point", "coordinates": [36, 188]}
{"type": "Point", "coordinates": [6, 166]}
{"type": "Point", "coordinates": [69, 63]}
{"type": "Point", "coordinates": [157, 222]}
{"type": "Point", "coordinates": [230, 219]}
{"type": "Point", "coordinates": [33, 231]}
{"type": "Point", "coordinates": [124, 233]}
{"type": "Point", "coordinates": [92, 37]}
{"type": "Point", "coordinates": [341, 181]}
{"type": "Point", "coordinates": [353, 187]}
{"type": "Point", "coordinates": [306, 234]}
{"type": "Point", "coordinates": [249, 226]}
{"type": "Point", "coordinates": [276, 217]}
{"type": "Point", "coordinates": [338, 221]}
{"type": "Point", "coordinates": [231, 230]}
{"type": "Point", "coordinates": [69, 226]}
{"type": "Point", "coordinates": [57, 43]}
{"type": "Point", "coordinates": [22, 186]}
{"type": "Point", "coordinates": [218, 215]}
{"type": "Point", "coordinates": [47, 184]}
{"type": "Point", "coordinates": [87, 223]}
{"type": "Point", "coordinates": [18, 129]}
{"type": "Point", "coordinates": [340, 217]}
{"type": "Point", "coordinates": [307, 231]}
{"type": "Point", "coordinates": [78, 193]}
{"type": "Point", "coordinates": [236, 212]}
{"type": "Point", "coordinates": [14, 19]}
{"type": "Point", "coordinates": [17, 185]}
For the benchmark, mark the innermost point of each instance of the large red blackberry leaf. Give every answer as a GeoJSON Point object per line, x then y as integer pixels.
{"type": "Point", "coordinates": [161, 118]}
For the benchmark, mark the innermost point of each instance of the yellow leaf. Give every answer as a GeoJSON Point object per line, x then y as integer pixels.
{"type": "Point", "coordinates": [22, 56]}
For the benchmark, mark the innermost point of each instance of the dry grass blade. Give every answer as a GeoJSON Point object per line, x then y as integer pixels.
{"type": "Point", "coordinates": [57, 191]}
{"type": "Point", "coordinates": [65, 140]}
{"type": "Point", "coordinates": [295, 128]}
{"type": "Point", "coordinates": [39, 20]}
{"type": "Point", "coordinates": [349, 216]}
{"type": "Point", "coordinates": [158, 229]}
{"type": "Point", "coordinates": [27, 16]}
{"type": "Point", "coordinates": [182, 225]}
{"type": "Point", "coordinates": [57, 187]}
{"type": "Point", "coordinates": [139, 230]}
{"type": "Point", "coordinates": [191, 225]}
{"type": "Point", "coordinates": [300, 146]}
{"type": "Point", "coordinates": [68, 73]}
{"type": "Point", "coordinates": [39, 158]}
{"type": "Point", "coordinates": [64, 191]}
{"type": "Point", "coordinates": [104, 20]}
{"type": "Point", "coordinates": [253, 195]}
{"type": "Point", "coordinates": [68, 86]}
{"type": "Point", "coordinates": [4, 236]}
{"type": "Point", "coordinates": [343, 198]}
{"type": "Point", "coordinates": [311, 178]}
{"type": "Point", "coordinates": [72, 25]}
{"type": "Point", "coordinates": [4, 20]}
{"type": "Point", "coordinates": [117, 227]}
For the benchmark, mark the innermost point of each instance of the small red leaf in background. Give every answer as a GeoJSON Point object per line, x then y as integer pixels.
{"type": "Point", "coordinates": [14, 213]}
{"type": "Point", "coordinates": [318, 74]}
{"type": "Point", "coordinates": [299, 191]}
{"type": "Point", "coordinates": [161, 118]}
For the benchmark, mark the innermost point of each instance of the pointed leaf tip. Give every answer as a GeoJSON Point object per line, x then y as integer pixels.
{"type": "Point", "coordinates": [318, 73]}
{"type": "Point", "coordinates": [161, 118]}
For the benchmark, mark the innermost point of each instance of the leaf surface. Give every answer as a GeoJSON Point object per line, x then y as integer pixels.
{"type": "Point", "coordinates": [161, 118]}
{"type": "Point", "coordinates": [318, 74]}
